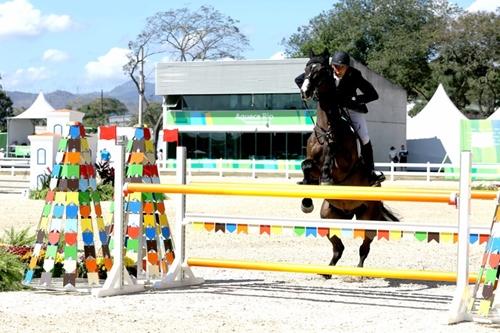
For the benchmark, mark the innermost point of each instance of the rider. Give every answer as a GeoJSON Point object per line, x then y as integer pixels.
{"type": "Point", "coordinates": [348, 81]}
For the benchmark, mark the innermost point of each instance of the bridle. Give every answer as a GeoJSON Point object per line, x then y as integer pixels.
{"type": "Point", "coordinates": [315, 79]}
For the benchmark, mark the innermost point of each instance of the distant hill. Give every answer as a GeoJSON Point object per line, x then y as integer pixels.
{"type": "Point", "coordinates": [125, 93]}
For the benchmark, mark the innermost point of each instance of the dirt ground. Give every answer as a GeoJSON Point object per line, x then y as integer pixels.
{"type": "Point", "coordinates": [253, 301]}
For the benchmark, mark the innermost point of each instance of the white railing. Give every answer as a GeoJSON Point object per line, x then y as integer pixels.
{"type": "Point", "coordinates": [14, 165]}
{"type": "Point", "coordinates": [291, 168]}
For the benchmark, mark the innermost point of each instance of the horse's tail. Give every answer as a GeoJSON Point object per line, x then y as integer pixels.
{"type": "Point", "coordinates": [388, 215]}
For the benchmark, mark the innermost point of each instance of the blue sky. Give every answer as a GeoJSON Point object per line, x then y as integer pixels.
{"type": "Point", "coordinates": [80, 46]}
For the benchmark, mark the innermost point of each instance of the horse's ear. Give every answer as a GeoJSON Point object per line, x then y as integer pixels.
{"type": "Point", "coordinates": [311, 53]}
{"type": "Point", "coordinates": [326, 53]}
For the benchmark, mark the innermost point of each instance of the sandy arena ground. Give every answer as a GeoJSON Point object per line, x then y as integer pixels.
{"type": "Point", "coordinates": [251, 301]}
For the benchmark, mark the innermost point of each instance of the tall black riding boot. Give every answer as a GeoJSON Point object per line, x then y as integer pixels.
{"type": "Point", "coordinates": [367, 153]}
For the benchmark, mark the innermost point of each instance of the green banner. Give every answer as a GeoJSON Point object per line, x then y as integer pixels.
{"type": "Point", "coordinates": [482, 138]}
{"type": "Point", "coordinates": [244, 117]}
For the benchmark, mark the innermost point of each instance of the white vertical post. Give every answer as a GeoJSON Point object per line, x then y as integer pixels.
{"type": "Point", "coordinates": [463, 219]}
{"type": "Point", "coordinates": [428, 170]}
{"type": "Point", "coordinates": [253, 168]}
{"type": "Point", "coordinates": [458, 310]}
{"type": "Point", "coordinates": [118, 281]}
{"type": "Point", "coordinates": [392, 171]}
{"type": "Point", "coordinates": [287, 173]}
{"type": "Point", "coordinates": [180, 206]}
{"type": "Point", "coordinates": [179, 273]}
{"type": "Point", "coordinates": [220, 167]}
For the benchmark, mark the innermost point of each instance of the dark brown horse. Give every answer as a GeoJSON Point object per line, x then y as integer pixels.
{"type": "Point", "coordinates": [333, 154]}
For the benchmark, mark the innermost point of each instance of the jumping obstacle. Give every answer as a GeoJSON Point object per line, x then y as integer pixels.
{"type": "Point", "coordinates": [180, 274]}
{"type": "Point", "coordinates": [310, 191]}
{"type": "Point", "coordinates": [329, 270]}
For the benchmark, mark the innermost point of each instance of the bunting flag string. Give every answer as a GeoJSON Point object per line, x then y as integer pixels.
{"type": "Point", "coordinates": [353, 233]}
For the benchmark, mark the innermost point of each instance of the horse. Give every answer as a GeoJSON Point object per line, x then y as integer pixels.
{"type": "Point", "coordinates": [333, 154]}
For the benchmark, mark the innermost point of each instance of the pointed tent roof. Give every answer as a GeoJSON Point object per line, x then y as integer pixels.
{"type": "Point", "coordinates": [495, 115]}
{"type": "Point", "coordinates": [38, 110]}
{"type": "Point", "coordinates": [439, 119]}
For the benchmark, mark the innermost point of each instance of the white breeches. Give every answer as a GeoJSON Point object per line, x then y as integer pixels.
{"type": "Point", "coordinates": [359, 124]}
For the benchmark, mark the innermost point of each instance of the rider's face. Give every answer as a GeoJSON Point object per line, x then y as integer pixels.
{"type": "Point", "coordinates": [340, 69]}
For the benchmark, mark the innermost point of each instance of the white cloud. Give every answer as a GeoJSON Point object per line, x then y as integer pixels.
{"type": "Point", "coordinates": [108, 66]}
{"type": "Point", "coordinates": [24, 77]}
{"type": "Point", "coordinates": [20, 18]}
{"type": "Point", "coordinates": [54, 55]}
{"type": "Point", "coordinates": [278, 56]}
{"type": "Point", "coordinates": [484, 5]}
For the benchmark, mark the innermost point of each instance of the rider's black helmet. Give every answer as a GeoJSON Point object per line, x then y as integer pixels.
{"type": "Point", "coordinates": [341, 58]}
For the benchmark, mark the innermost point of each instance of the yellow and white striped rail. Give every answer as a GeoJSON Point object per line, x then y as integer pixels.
{"type": "Point", "coordinates": [357, 193]}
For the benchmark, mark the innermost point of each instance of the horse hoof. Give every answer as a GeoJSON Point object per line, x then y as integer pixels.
{"type": "Point", "coordinates": [326, 182]}
{"type": "Point", "coordinates": [326, 276]}
{"type": "Point", "coordinates": [307, 205]}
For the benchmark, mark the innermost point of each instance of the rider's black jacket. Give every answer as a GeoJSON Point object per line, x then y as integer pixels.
{"type": "Point", "coordinates": [346, 92]}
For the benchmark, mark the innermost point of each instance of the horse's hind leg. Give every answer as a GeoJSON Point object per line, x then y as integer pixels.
{"type": "Point", "coordinates": [308, 168]}
{"type": "Point", "coordinates": [364, 249]}
{"type": "Point", "coordinates": [338, 249]}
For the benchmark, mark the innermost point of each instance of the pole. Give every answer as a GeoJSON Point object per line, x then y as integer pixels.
{"type": "Point", "coordinates": [180, 211]}
{"type": "Point", "coordinates": [458, 309]}
{"type": "Point", "coordinates": [141, 86]}
{"type": "Point", "coordinates": [118, 281]}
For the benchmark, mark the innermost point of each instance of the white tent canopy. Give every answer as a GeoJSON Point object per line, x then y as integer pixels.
{"type": "Point", "coordinates": [434, 133]}
{"type": "Point", "coordinates": [495, 115]}
{"type": "Point", "coordinates": [20, 126]}
{"type": "Point", "coordinates": [38, 110]}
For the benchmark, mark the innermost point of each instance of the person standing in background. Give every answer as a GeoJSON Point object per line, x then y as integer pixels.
{"type": "Point", "coordinates": [393, 155]}
{"type": "Point", "coordinates": [403, 156]}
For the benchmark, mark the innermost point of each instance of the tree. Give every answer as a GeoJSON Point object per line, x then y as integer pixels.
{"type": "Point", "coordinates": [150, 115]}
{"type": "Point", "coordinates": [98, 111]}
{"type": "Point", "coordinates": [204, 34]}
{"type": "Point", "coordinates": [393, 38]}
{"type": "Point", "coordinates": [468, 61]}
{"type": "Point", "coordinates": [416, 44]}
{"type": "Point", "coordinates": [185, 35]}
{"type": "Point", "coordinates": [5, 108]}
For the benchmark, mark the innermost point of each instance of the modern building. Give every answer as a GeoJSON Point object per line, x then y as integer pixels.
{"type": "Point", "coordinates": [252, 109]}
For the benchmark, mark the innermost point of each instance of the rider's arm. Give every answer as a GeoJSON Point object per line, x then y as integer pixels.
{"type": "Point", "coordinates": [368, 93]}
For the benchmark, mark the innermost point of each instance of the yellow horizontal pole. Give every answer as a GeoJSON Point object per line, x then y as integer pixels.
{"type": "Point", "coordinates": [329, 270]}
{"type": "Point", "coordinates": [295, 191]}
{"type": "Point", "coordinates": [476, 194]}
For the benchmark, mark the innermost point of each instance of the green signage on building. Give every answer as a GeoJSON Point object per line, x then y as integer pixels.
{"type": "Point", "coordinates": [244, 117]}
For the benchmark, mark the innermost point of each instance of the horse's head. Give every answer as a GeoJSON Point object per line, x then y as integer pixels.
{"type": "Point", "coordinates": [317, 71]}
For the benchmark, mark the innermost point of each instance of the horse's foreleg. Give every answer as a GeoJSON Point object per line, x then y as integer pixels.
{"type": "Point", "coordinates": [309, 179]}
{"type": "Point", "coordinates": [326, 169]}
{"type": "Point", "coordinates": [364, 249]}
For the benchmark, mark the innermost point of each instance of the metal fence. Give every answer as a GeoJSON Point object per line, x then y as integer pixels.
{"type": "Point", "coordinates": [291, 168]}
{"type": "Point", "coordinates": [14, 165]}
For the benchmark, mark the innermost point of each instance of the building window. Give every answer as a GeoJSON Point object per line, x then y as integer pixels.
{"type": "Point", "coordinates": [41, 156]}
{"type": "Point", "coordinates": [58, 129]}
{"type": "Point", "coordinates": [242, 146]}
{"type": "Point", "coordinates": [240, 102]}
